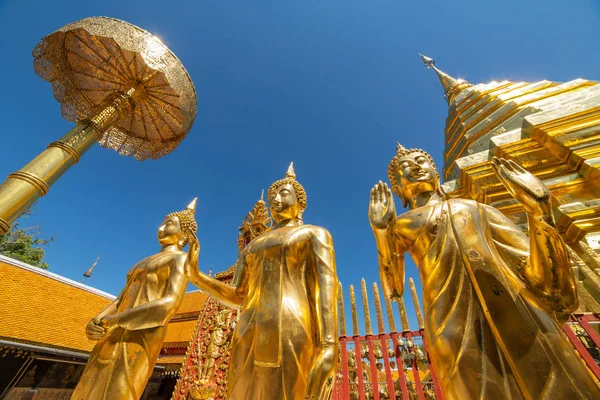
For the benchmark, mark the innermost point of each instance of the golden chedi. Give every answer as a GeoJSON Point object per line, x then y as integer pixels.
{"type": "Point", "coordinates": [284, 345]}
{"type": "Point", "coordinates": [494, 299]}
{"type": "Point", "coordinates": [131, 330]}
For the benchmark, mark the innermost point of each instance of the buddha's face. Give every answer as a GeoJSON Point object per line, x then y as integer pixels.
{"type": "Point", "coordinates": [284, 203]}
{"type": "Point", "coordinates": [170, 231]}
{"type": "Point", "coordinates": [416, 174]}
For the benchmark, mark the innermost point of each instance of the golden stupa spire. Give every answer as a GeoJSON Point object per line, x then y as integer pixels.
{"type": "Point", "coordinates": [450, 85]}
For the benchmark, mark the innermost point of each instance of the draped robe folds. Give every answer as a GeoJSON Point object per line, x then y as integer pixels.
{"type": "Point", "coordinates": [488, 335]}
{"type": "Point", "coordinates": [276, 339]}
{"type": "Point", "coordinates": [123, 359]}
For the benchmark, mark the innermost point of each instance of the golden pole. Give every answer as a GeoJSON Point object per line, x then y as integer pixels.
{"type": "Point", "coordinates": [390, 314]}
{"type": "Point", "coordinates": [403, 317]}
{"type": "Point", "coordinates": [341, 310]}
{"type": "Point", "coordinates": [378, 311]}
{"type": "Point", "coordinates": [23, 187]}
{"type": "Point", "coordinates": [417, 304]}
{"type": "Point", "coordinates": [355, 329]}
{"type": "Point", "coordinates": [365, 301]}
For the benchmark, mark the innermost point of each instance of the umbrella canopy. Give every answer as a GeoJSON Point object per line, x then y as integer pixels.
{"type": "Point", "coordinates": [90, 59]}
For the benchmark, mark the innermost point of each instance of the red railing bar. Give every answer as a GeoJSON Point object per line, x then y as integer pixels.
{"type": "Point", "coordinates": [359, 370]}
{"type": "Point", "coordinates": [399, 366]}
{"type": "Point", "coordinates": [373, 362]}
{"type": "Point", "coordinates": [415, 368]}
{"type": "Point", "coordinates": [436, 384]}
{"type": "Point", "coordinates": [388, 369]}
{"type": "Point", "coordinates": [584, 322]}
{"type": "Point", "coordinates": [345, 375]}
{"type": "Point", "coordinates": [589, 360]}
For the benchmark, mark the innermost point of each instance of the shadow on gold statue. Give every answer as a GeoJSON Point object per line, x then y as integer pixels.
{"type": "Point", "coordinates": [285, 342]}
{"type": "Point", "coordinates": [494, 299]}
{"type": "Point", "coordinates": [131, 330]}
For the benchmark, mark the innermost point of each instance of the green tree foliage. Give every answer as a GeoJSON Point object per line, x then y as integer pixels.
{"type": "Point", "coordinates": [25, 243]}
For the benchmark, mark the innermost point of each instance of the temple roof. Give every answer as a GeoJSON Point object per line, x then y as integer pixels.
{"type": "Point", "coordinates": [193, 302]}
{"type": "Point", "coordinates": [179, 333]}
{"type": "Point", "coordinates": [46, 309]}
{"type": "Point", "coordinates": [181, 327]}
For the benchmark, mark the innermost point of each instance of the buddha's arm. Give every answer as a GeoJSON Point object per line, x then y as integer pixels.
{"type": "Point", "coordinates": [230, 295]}
{"type": "Point", "coordinates": [110, 309]}
{"type": "Point", "coordinates": [157, 312]}
{"type": "Point", "coordinates": [543, 257]}
{"type": "Point", "coordinates": [325, 294]}
{"type": "Point", "coordinates": [326, 284]}
{"type": "Point", "coordinates": [548, 269]}
{"type": "Point", "coordinates": [391, 261]}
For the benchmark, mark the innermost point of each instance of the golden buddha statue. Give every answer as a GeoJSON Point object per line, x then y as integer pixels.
{"type": "Point", "coordinates": [494, 299]}
{"type": "Point", "coordinates": [131, 330]}
{"type": "Point", "coordinates": [284, 345]}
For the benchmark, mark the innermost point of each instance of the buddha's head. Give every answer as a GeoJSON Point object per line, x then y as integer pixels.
{"type": "Point", "coordinates": [177, 227]}
{"type": "Point", "coordinates": [287, 198]}
{"type": "Point", "coordinates": [412, 172]}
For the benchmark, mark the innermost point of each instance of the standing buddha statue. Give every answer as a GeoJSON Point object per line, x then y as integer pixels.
{"type": "Point", "coordinates": [131, 330]}
{"type": "Point", "coordinates": [284, 345]}
{"type": "Point", "coordinates": [494, 299]}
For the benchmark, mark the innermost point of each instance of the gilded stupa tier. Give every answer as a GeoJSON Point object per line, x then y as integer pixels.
{"type": "Point", "coordinates": [553, 130]}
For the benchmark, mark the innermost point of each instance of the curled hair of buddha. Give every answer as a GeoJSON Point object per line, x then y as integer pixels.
{"type": "Point", "coordinates": [187, 220]}
{"type": "Point", "coordinates": [401, 151]}
{"type": "Point", "coordinates": [290, 178]}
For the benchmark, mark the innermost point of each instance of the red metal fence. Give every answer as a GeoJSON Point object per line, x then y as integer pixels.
{"type": "Point", "coordinates": [396, 365]}
{"type": "Point", "coordinates": [392, 366]}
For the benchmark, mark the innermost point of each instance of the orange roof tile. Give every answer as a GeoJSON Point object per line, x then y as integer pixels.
{"type": "Point", "coordinates": [192, 302]}
{"type": "Point", "coordinates": [46, 309]}
{"type": "Point", "coordinates": [180, 332]}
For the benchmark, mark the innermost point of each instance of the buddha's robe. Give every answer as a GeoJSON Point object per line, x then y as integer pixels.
{"type": "Point", "coordinates": [123, 359]}
{"type": "Point", "coordinates": [277, 337]}
{"type": "Point", "coordinates": [488, 334]}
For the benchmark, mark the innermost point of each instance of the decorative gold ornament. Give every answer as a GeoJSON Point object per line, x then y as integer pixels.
{"type": "Point", "coordinates": [494, 299]}
{"type": "Point", "coordinates": [219, 337]}
{"type": "Point", "coordinates": [122, 86]}
{"type": "Point", "coordinates": [284, 345]}
{"type": "Point", "coordinates": [131, 330]}
{"type": "Point", "coordinates": [255, 223]}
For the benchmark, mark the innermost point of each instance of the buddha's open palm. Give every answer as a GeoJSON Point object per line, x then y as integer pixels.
{"type": "Point", "coordinates": [523, 186]}
{"type": "Point", "coordinates": [382, 209]}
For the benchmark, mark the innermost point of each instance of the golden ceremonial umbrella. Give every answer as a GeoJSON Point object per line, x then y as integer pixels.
{"type": "Point", "coordinates": [123, 87]}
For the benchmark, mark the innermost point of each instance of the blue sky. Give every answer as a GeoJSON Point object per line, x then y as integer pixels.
{"type": "Point", "coordinates": [330, 85]}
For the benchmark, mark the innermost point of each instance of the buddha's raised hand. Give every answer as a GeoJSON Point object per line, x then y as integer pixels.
{"type": "Point", "coordinates": [523, 186]}
{"type": "Point", "coordinates": [382, 209]}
